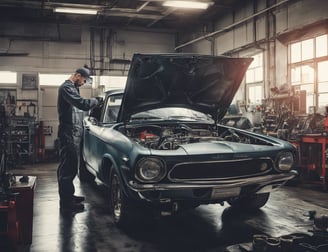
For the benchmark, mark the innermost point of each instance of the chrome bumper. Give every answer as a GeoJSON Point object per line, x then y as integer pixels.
{"type": "Point", "coordinates": [224, 184]}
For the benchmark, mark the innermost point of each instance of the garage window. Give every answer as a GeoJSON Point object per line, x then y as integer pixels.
{"type": "Point", "coordinates": [7, 77]}
{"type": "Point", "coordinates": [308, 65]}
{"type": "Point", "coordinates": [254, 81]}
{"type": "Point", "coordinates": [52, 79]}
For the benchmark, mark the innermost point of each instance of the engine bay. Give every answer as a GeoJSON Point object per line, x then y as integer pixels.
{"type": "Point", "coordinates": [171, 136]}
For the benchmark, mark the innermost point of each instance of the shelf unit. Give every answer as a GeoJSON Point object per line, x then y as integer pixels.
{"type": "Point", "coordinates": [21, 138]}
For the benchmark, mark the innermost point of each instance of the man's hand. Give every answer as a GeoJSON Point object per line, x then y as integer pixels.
{"type": "Point", "coordinates": [100, 99]}
{"type": "Point", "coordinates": [93, 102]}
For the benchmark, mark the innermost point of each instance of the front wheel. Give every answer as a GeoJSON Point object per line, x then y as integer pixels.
{"type": "Point", "coordinates": [120, 206]}
{"type": "Point", "coordinates": [251, 202]}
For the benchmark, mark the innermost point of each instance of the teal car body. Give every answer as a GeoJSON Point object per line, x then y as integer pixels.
{"type": "Point", "coordinates": [158, 142]}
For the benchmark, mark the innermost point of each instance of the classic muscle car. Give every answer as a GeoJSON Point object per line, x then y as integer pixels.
{"type": "Point", "coordinates": [157, 144]}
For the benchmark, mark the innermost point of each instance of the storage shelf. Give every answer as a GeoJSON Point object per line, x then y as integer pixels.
{"type": "Point", "coordinates": [21, 132]}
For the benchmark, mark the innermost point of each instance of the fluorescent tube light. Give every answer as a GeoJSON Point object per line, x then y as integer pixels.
{"type": "Point", "coordinates": [187, 4]}
{"type": "Point", "coordinates": [76, 10]}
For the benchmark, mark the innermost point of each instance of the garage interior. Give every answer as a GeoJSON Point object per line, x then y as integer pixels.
{"type": "Point", "coordinates": [284, 94]}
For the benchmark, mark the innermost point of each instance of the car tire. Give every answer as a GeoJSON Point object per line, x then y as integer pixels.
{"type": "Point", "coordinates": [251, 202]}
{"type": "Point", "coordinates": [120, 206]}
{"type": "Point", "coordinates": [83, 173]}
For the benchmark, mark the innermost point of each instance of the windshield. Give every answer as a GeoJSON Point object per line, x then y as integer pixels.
{"type": "Point", "coordinates": [172, 113]}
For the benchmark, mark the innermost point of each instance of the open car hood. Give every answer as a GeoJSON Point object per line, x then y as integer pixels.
{"type": "Point", "coordinates": [203, 83]}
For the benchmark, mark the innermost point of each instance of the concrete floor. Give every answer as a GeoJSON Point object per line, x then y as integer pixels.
{"type": "Point", "coordinates": [206, 228]}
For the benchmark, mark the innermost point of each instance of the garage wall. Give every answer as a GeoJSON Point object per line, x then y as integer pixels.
{"type": "Point", "coordinates": [260, 33]}
{"type": "Point", "coordinates": [126, 43]}
{"type": "Point", "coordinates": [305, 12]}
{"type": "Point", "coordinates": [52, 49]}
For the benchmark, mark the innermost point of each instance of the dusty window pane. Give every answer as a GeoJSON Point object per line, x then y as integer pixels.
{"type": "Point", "coordinates": [253, 64]}
{"type": "Point", "coordinates": [258, 74]}
{"type": "Point", "coordinates": [309, 102]}
{"type": "Point", "coordinates": [257, 62]}
{"type": "Point", "coordinates": [323, 87]}
{"type": "Point", "coordinates": [255, 94]}
{"type": "Point", "coordinates": [307, 74]}
{"type": "Point", "coordinates": [295, 52]}
{"type": "Point", "coordinates": [309, 88]}
{"type": "Point", "coordinates": [255, 70]}
{"type": "Point", "coordinates": [323, 99]}
{"type": "Point", "coordinates": [307, 49]}
{"type": "Point", "coordinates": [323, 71]}
{"type": "Point", "coordinates": [296, 75]}
{"type": "Point", "coordinates": [250, 76]}
{"type": "Point", "coordinates": [260, 59]}
{"type": "Point", "coordinates": [321, 46]}
{"type": "Point", "coordinates": [309, 95]}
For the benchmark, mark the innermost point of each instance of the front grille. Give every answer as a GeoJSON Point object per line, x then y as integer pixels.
{"type": "Point", "coordinates": [220, 170]}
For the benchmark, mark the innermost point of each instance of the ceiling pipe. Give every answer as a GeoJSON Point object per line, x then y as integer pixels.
{"type": "Point", "coordinates": [229, 26]}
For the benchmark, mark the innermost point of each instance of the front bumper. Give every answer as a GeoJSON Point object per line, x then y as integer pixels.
{"type": "Point", "coordinates": [206, 192]}
{"type": "Point", "coordinates": [224, 184]}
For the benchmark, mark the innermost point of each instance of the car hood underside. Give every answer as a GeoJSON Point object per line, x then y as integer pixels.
{"type": "Point", "coordinates": [203, 83]}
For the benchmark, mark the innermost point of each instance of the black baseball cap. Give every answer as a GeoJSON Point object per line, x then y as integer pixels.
{"type": "Point", "coordinates": [85, 72]}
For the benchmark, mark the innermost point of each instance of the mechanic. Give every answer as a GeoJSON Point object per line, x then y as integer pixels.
{"type": "Point", "coordinates": [70, 106]}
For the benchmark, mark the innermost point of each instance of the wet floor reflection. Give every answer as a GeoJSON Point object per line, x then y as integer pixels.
{"type": "Point", "coordinates": [202, 229]}
{"type": "Point", "coordinates": [205, 228]}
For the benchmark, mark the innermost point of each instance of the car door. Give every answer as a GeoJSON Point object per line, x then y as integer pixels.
{"type": "Point", "coordinates": [92, 124]}
{"type": "Point", "coordinates": [97, 132]}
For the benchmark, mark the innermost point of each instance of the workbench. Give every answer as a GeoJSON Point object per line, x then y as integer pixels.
{"type": "Point", "coordinates": [24, 207]}
{"type": "Point", "coordinates": [16, 222]}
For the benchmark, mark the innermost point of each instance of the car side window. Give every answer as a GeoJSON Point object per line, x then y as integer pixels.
{"type": "Point", "coordinates": [112, 108]}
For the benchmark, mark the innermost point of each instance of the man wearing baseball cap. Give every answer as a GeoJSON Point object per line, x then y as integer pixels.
{"type": "Point", "coordinates": [84, 72]}
{"type": "Point", "coordinates": [70, 107]}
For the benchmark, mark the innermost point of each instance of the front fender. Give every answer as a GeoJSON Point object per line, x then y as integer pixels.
{"type": "Point", "coordinates": [109, 165]}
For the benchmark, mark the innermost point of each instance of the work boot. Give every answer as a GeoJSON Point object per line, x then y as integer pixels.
{"type": "Point", "coordinates": [78, 199]}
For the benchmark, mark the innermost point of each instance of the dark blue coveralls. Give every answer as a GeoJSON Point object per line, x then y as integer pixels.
{"type": "Point", "coordinates": [70, 106]}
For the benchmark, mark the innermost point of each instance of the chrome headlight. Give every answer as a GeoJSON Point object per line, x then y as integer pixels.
{"type": "Point", "coordinates": [285, 161]}
{"type": "Point", "coordinates": [150, 169]}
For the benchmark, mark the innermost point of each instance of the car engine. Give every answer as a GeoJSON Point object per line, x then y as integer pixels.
{"type": "Point", "coordinates": [170, 137]}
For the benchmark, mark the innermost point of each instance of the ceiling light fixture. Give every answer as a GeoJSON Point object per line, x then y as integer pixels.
{"type": "Point", "coordinates": [187, 4]}
{"type": "Point", "coordinates": [76, 10]}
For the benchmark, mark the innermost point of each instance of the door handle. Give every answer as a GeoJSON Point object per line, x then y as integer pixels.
{"type": "Point", "coordinates": [87, 128]}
